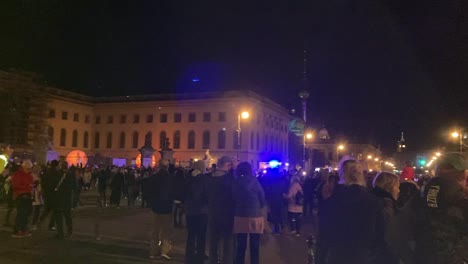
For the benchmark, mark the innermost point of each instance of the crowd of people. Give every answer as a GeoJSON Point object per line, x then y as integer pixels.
{"type": "Point", "coordinates": [358, 217]}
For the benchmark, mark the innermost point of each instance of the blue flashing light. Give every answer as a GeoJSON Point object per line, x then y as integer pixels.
{"type": "Point", "coordinates": [195, 80]}
{"type": "Point", "coordinates": [274, 163]}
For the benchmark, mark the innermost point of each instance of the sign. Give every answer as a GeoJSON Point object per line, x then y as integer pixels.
{"type": "Point", "coordinates": [297, 126]}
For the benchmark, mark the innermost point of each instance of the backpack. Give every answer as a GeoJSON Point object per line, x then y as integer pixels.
{"type": "Point", "coordinates": [299, 198]}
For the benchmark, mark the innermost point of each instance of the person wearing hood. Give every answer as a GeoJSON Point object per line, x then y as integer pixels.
{"type": "Point", "coordinates": [249, 200]}
{"type": "Point", "coordinates": [352, 220]}
{"type": "Point", "coordinates": [22, 182]}
{"type": "Point", "coordinates": [221, 211]}
{"type": "Point", "coordinates": [196, 211]}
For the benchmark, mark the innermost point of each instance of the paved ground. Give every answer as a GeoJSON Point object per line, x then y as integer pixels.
{"type": "Point", "coordinates": [125, 236]}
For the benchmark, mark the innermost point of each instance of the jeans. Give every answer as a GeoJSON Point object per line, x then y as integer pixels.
{"type": "Point", "coordinates": [295, 220]}
{"type": "Point", "coordinates": [162, 228]}
{"type": "Point", "coordinates": [59, 214]}
{"type": "Point", "coordinates": [254, 240]}
{"type": "Point", "coordinates": [218, 233]}
{"type": "Point", "coordinates": [23, 211]}
{"type": "Point", "coordinates": [36, 214]}
{"type": "Point", "coordinates": [196, 238]}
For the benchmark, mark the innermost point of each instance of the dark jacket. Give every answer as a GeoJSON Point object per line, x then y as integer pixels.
{"type": "Point", "coordinates": [353, 226]}
{"type": "Point", "coordinates": [220, 200]}
{"type": "Point", "coordinates": [249, 197]}
{"type": "Point", "coordinates": [160, 192]}
{"type": "Point", "coordinates": [196, 201]}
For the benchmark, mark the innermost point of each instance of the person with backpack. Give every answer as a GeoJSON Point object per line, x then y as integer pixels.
{"type": "Point", "coordinates": [443, 231]}
{"type": "Point", "coordinates": [295, 197]}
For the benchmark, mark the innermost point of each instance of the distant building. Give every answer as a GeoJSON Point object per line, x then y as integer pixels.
{"type": "Point", "coordinates": [401, 144]}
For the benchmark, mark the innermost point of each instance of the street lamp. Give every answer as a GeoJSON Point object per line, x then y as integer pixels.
{"type": "Point", "coordinates": [241, 115]}
{"type": "Point", "coordinates": [338, 149]}
{"type": "Point", "coordinates": [459, 135]}
{"type": "Point", "coordinates": [306, 136]}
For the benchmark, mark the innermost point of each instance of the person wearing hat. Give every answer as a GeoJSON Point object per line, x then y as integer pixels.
{"type": "Point", "coordinates": [196, 210]}
{"type": "Point", "coordinates": [445, 233]}
{"type": "Point", "coordinates": [22, 183]}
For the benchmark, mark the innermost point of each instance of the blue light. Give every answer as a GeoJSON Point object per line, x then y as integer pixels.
{"type": "Point", "coordinates": [195, 80]}
{"type": "Point", "coordinates": [274, 163]}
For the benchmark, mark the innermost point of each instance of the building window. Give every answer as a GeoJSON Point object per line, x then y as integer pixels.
{"type": "Point", "coordinates": [51, 113]}
{"type": "Point", "coordinates": [149, 119]}
{"type": "Point", "coordinates": [50, 134]}
{"type": "Point", "coordinates": [123, 119]}
{"type": "Point", "coordinates": [110, 119]}
{"type": "Point", "coordinates": [252, 140]}
{"type": "Point", "coordinates": [96, 140]}
{"type": "Point", "coordinates": [177, 140]}
{"type": "Point", "coordinates": [149, 139]}
{"type": "Point", "coordinates": [74, 139]}
{"type": "Point", "coordinates": [236, 143]}
{"type": "Point", "coordinates": [85, 139]}
{"type": "Point", "coordinates": [163, 118]}
{"type": "Point", "coordinates": [206, 139]}
{"type": "Point", "coordinates": [76, 117]}
{"type": "Point", "coordinates": [135, 140]}
{"type": "Point", "coordinates": [98, 120]}
{"type": "Point", "coordinates": [64, 115]}
{"type": "Point", "coordinates": [191, 139]}
{"type": "Point", "coordinates": [222, 116]}
{"type": "Point", "coordinates": [207, 117]}
{"type": "Point", "coordinates": [192, 117]}
{"type": "Point", "coordinates": [177, 117]}
{"type": "Point", "coordinates": [122, 140]}
{"type": "Point", "coordinates": [109, 140]}
{"type": "Point", "coordinates": [162, 139]}
{"type": "Point", "coordinates": [222, 139]}
{"type": "Point", "coordinates": [136, 119]}
{"type": "Point", "coordinates": [258, 142]}
{"type": "Point", "coordinates": [86, 119]}
{"type": "Point", "coordinates": [63, 137]}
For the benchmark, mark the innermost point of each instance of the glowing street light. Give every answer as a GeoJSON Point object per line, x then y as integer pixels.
{"type": "Point", "coordinates": [438, 154]}
{"type": "Point", "coordinates": [455, 134]}
{"type": "Point", "coordinates": [245, 115]}
{"type": "Point", "coordinates": [376, 159]}
{"type": "Point", "coordinates": [340, 147]}
{"type": "Point", "coordinates": [309, 136]}
{"type": "Point", "coordinates": [242, 115]}
{"type": "Point", "coordinates": [369, 157]}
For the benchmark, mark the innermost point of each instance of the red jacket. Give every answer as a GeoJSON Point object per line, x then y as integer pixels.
{"type": "Point", "coordinates": [407, 174]}
{"type": "Point", "coordinates": [22, 183]}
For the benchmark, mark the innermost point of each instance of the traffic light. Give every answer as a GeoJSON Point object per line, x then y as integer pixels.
{"type": "Point", "coordinates": [421, 161]}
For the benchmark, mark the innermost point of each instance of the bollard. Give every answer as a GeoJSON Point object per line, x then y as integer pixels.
{"type": "Point", "coordinates": [310, 249]}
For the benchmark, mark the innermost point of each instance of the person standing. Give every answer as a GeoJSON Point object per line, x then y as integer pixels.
{"type": "Point", "coordinates": [50, 177]}
{"type": "Point", "coordinates": [87, 176]}
{"type": "Point", "coordinates": [132, 187]}
{"type": "Point", "coordinates": [407, 174]}
{"type": "Point", "coordinates": [196, 214]}
{"type": "Point", "coordinates": [37, 197]}
{"type": "Point", "coordinates": [116, 185]}
{"type": "Point", "coordinates": [63, 202]}
{"type": "Point", "coordinates": [22, 182]}
{"type": "Point", "coordinates": [4, 157]}
{"type": "Point", "coordinates": [295, 198]}
{"type": "Point", "coordinates": [221, 211]}
{"type": "Point", "coordinates": [249, 199]}
{"type": "Point", "coordinates": [102, 178]}
{"type": "Point", "coordinates": [161, 199]}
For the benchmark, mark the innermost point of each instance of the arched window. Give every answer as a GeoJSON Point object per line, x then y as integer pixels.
{"type": "Point", "coordinates": [222, 139]}
{"type": "Point", "coordinates": [63, 137]}
{"type": "Point", "coordinates": [206, 139]}
{"type": "Point", "coordinates": [135, 140]}
{"type": "Point", "coordinates": [162, 139]}
{"type": "Point", "coordinates": [176, 143]}
{"type": "Point", "coordinates": [122, 140]}
{"type": "Point", "coordinates": [251, 140]}
{"type": "Point", "coordinates": [149, 139]}
{"type": "Point", "coordinates": [191, 139]}
{"type": "Point", "coordinates": [109, 140]}
{"type": "Point", "coordinates": [96, 140]}
{"type": "Point", "coordinates": [258, 142]}
{"type": "Point", "coordinates": [50, 134]}
{"type": "Point", "coordinates": [75, 139]}
{"type": "Point", "coordinates": [85, 139]}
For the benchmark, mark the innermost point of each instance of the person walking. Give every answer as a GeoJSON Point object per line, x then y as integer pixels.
{"type": "Point", "coordinates": [49, 181]}
{"type": "Point", "coordinates": [161, 198]}
{"type": "Point", "coordinates": [22, 182]}
{"type": "Point", "coordinates": [295, 198]}
{"type": "Point", "coordinates": [196, 203]}
{"type": "Point", "coordinates": [249, 222]}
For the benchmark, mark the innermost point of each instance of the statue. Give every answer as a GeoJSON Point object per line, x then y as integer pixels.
{"type": "Point", "coordinates": [166, 144]}
{"type": "Point", "coordinates": [207, 158]}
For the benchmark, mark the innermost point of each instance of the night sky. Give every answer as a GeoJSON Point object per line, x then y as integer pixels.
{"type": "Point", "coordinates": [376, 68]}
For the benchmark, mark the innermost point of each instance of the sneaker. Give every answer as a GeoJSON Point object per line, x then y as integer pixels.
{"type": "Point", "coordinates": [165, 256]}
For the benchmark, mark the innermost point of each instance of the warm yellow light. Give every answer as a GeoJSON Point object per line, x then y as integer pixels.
{"type": "Point", "coordinates": [438, 154]}
{"type": "Point", "coordinates": [455, 134]}
{"type": "Point", "coordinates": [340, 147]}
{"type": "Point", "coordinates": [245, 115]}
{"type": "Point", "coordinates": [369, 157]}
{"type": "Point", "coordinates": [376, 159]}
{"type": "Point", "coordinates": [309, 136]}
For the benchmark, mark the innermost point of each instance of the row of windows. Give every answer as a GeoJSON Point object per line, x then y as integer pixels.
{"type": "Point", "coordinates": [163, 117]}
{"type": "Point", "coordinates": [273, 143]}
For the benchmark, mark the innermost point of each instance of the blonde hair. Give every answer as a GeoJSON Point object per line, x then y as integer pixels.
{"type": "Point", "coordinates": [351, 173]}
{"type": "Point", "coordinates": [386, 181]}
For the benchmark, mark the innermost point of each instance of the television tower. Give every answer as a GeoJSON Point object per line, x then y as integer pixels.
{"type": "Point", "coordinates": [304, 94]}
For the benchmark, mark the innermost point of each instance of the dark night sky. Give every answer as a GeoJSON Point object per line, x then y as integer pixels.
{"type": "Point", "coordinates": [375, 67]}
